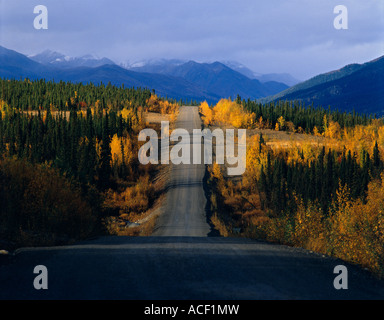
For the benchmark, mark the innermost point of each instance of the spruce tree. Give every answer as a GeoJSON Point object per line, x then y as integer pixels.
{"type": "Point", "coordinates": [376, 155]}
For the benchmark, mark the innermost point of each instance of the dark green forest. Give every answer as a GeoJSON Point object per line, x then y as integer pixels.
{"type": "Point", "coordinates": [317, 180]}
{"type": "Point", "coordinates": [65, 130]}
{"type": "Point", "coordinates": [303, 116]}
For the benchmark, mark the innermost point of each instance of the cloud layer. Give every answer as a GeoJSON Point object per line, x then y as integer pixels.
{"type": "Point", "coordinates": [268, 36]}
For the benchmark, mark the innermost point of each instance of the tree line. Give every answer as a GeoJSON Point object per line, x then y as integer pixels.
{"type": "Point", "coordinates": [67, 158]}
{"type": "Point", "coordinates": [43, 95]}
{"type": "Point", "coordinates": [302, 116]}
{"type": "Point", "coordinates": [316, 180]}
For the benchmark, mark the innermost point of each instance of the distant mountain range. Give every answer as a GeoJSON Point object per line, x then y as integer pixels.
{"type": "Point", "coordinates": [285, 78]}
{"type": "Point", "coordinates": [358, 87]}
{"type": "Point", "coordinates": [215, 77]}
{"type": "Point", "coordinates": [189, 80]}
{"type": "Point", "coordinates": [60, 60]}
{"type": "Point", "coordinates": [165, 66]}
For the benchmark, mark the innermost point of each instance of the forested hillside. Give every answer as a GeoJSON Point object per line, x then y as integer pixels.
{"type": "Point", "coordinates": [68, 159]}
{"type": "Point", "coordinates": [314, 179]}
{"type": "Point", "coordinates": [353, 87]}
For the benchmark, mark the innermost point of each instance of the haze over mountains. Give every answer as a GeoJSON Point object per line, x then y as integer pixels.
{"type": "Point", "coordinates": [354, 87]}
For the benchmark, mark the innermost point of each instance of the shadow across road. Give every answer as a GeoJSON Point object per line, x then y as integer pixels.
{"type": "Point", "coordinates": [181, 267]}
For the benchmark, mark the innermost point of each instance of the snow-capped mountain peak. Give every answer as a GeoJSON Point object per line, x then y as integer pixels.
{"type": "Point", "coordinates": [49, 57]}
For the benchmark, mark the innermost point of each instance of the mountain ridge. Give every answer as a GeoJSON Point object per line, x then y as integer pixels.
{"type": "Point", "coordinates": [285, 78]}
{"type": "Point", "coordinates": [216, 77]}
{"type": "Point", "coordinates": [353, 87]}
{"type": "Point", "coordinates": [357, 87]}
{"type": "Point", "coordinates": [167, 65]}
{"type": "Point", "coordinates": [49, 57]}
{"type": "Point", "coordinates": [192, 80]}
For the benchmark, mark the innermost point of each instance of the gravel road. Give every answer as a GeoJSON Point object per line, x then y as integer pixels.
{"type": "Point", "coordinates": [184, 213]}
{"type": "Point", "coordinates": [181, 261]}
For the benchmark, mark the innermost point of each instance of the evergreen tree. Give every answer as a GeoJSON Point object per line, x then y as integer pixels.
{"type": "Point", "coordinates": [105, 155]}
{"type": "Point", "coordinates": [376, 155]}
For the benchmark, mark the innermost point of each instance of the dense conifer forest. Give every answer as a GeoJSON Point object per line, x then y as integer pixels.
{"type": "Point", "coordinates": [83, 140]}
{"type": "Point", "coordinates": [314, 179]}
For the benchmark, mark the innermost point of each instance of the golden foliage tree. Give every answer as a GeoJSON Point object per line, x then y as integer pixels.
{"type": "Point", "coordinates": [121, 150]}
{"type": "Point", "coordinates": [207, 113]}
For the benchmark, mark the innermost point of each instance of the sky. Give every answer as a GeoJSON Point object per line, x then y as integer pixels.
{"type": "Point", "coordinates": [274, 36]}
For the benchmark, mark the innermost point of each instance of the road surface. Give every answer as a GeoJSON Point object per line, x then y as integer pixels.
{"type": "Point", "coordinates": [181, 261]}
{"type": "Point", "coordinates": [184, 213]}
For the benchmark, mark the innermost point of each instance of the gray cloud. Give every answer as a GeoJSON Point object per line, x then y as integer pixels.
{"type": "Point", "coordinates": [268, 36]}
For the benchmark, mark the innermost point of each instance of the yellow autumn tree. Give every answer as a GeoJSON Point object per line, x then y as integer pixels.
{"type": "Point", "coordinates": [249, 120]}
{"type": "Point", "coordinates": [332, 130]}
{"type": "Point", "coordinates": [230, 112]}
{"type": "Point", "coordinates": [357, 229]}
{"type": "Point", "coordinates": [135, 117]}
{"type": "Point", "coordinates": [207, 113]}
{"type": "Point", "coordinates": [222, 110]}
{"type": "Point", "coordinates": [256, 158]}
{"type": "Point", "coordinates": [121, 150]}
{"type": "Point", "coordinates": [316, 131]}
{"type": "Point", "coordinates": [281, 122]}
{"type": "Point", "coordinates": [236, 117]}
{"type": "Point", "coordinates": [4, 108]}
{"type": "Point", "coordinates": [156, 104]}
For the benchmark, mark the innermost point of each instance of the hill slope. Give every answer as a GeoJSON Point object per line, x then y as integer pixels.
{"type": "Point", "coordinates": [14, 65]}
{"type": "Point", "coordinates": [164, 85]}
{"type": "Point", "coordinates": [356, 87]}
{"type": "Point", "coordinates": [285, 78]}
{"type": "Point", "coordinates": [216, 78]}
{"type": "Point", "coordinates": [179, 80]}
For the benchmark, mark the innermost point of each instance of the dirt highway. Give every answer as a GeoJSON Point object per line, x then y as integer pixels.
{"type": "Point", "coordinates": [184, 213]}
{"type": "Point", "coordinates": [181, 260]}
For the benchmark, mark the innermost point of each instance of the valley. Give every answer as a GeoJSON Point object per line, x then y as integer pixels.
{"type": "Point", "coordinates": [74, 192]}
